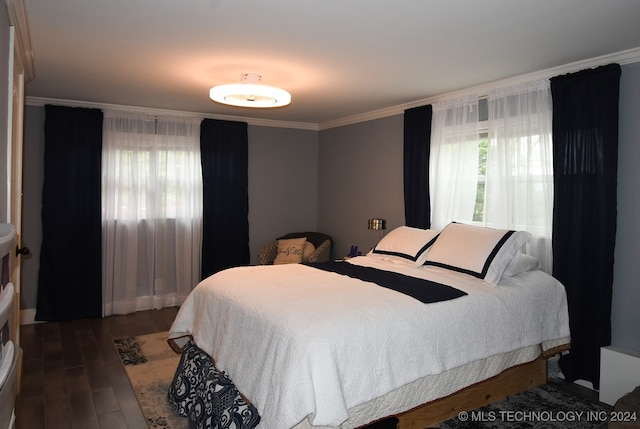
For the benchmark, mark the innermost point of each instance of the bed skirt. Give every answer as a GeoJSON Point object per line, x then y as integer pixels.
{"type": "Point", "coordinates": [206, 396]}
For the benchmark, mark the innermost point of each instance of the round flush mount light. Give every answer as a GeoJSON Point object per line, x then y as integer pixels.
{"type": "Point", "coordinates": [250, 93]}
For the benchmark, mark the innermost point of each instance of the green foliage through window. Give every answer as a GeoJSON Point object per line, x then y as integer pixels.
{"type": "Point", "coordinates": [478, 211]}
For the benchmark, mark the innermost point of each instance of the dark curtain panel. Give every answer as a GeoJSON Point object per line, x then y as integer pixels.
{"type": "Point", "coordinates": [70, 277]}
{"type": "Point", "coordinates": [585, 157]}
{"type": "Point", "coordinates": [224, 149]}
{"type": "Point", "coordinates": [417, 140]}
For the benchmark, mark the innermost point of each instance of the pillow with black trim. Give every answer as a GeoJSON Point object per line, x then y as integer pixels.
{"type": "Point", "coordinates": [478, 251]}
{"type": "Point", "coordinates": [406, 244]}
{"type": "Point", "coordinates": [290, 251]}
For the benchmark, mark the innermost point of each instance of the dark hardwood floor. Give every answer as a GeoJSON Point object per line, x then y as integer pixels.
{"type": "Point", "coordinates": [72, 376]}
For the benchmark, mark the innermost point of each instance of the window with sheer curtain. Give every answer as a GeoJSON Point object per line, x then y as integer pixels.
{"type": "Point", "coordinates": [151, 210]}
{"type": "Point", "coordinates": [494, 166]}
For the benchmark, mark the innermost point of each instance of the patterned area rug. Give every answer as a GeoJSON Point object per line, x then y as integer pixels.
{"type": "Point", "coordinates": [150, 364]}
{"type": "Point", "coordinates": [545, 407]}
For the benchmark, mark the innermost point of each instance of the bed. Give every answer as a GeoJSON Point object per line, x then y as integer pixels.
{"type": "Point", "coordinates": [325, 347]}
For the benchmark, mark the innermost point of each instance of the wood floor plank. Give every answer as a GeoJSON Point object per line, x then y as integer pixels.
{"type": "Point", "coordinates": [70, 349]}
{"type": "Point", "coordinates": [98, 376]}
{"type": "Point", "coordinates": [81, 403]}
{"type": "Point", "coordinates": [105, 401]}
{"type": "Point", "coordinates": [56, 413]}
{"type": "Point", "coordinates": [30, 412]}
{"type": "Point", "coordinates": [72, 375]}
{"type": "Point", "coordinates": [112, 420]}
{"type": "Point", "coordinates": [31, 340]}
{"type": "Point", "coordinates": [33, 377]}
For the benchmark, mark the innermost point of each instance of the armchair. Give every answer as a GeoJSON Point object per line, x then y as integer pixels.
{"type": "Point", "coordinates": [322, 247]}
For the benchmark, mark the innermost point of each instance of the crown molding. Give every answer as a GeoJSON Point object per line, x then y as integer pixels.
{"type": "Point", "coordinates": [41, 101]}
{"type": "Point", "coordinates": [622, 58]}
{"type": "Point", "coordinates": [19, 19]}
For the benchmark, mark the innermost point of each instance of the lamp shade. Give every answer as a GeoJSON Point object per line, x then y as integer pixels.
{"type": "Point", "coordinates": [250, 93]}
{"type": "Point", "coordinates": [377, 224]}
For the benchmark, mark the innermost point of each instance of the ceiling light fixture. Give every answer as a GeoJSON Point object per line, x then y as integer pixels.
{"type": "Point", "coordinates": [250, 93]}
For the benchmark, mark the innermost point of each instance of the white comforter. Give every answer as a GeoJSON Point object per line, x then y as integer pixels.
{"type": "Point", "coordinates": [305, 343]}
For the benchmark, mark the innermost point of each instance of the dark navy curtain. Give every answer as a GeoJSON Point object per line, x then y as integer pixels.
{"type": "Point", "coordinates": [585, 157]}
{"type": "Point", "coordinates": [417, 140]}
{"type": "Point", "coordinates": [224, 150]}
{"type": "Point", "coordinates": [70, 276]}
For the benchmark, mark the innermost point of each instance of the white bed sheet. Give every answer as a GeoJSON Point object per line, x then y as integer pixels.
{"type": "Point", "coordinates": [302, 343]}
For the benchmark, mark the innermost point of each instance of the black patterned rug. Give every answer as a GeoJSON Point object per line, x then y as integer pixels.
{"type": "Point", "coordinates": [150, 365]}
{"type": "Point", "coordinates": [545, 407]}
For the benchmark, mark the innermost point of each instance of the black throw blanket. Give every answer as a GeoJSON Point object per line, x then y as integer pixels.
{"type": "Point", "coordinates": [425, 291]}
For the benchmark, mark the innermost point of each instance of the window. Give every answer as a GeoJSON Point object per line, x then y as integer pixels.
{"type": "Point", "coordinates": [151, 210]}
{"type": "Point", "coordinates": [149, 174]}
{"type": "Point", "coordinates": [164, 166]}
{"type": "Point", "coordinates": [491, 163]}
{"type": "Point", "coordinates": [478, 210]}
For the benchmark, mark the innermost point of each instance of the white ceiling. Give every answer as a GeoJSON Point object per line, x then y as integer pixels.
{"type": "Point", "coordinates": [337, 58]}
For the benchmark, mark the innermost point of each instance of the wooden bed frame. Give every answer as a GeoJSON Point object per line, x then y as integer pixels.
{"type": "Point", "coordinates": [509, 382]}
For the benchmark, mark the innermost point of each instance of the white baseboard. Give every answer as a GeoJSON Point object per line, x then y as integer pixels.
{"type": "Point", "coordinates": [28, 316]}
{"type": "Point", "coordinates": [619, 373]}
{"type": "Point", "coordinates": [584, 383]}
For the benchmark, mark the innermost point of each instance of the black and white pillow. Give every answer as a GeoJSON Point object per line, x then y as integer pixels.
{"type": "Point", "coordinates": [405, 243]}
{"type": "Point", "coordinates": [478, 251]}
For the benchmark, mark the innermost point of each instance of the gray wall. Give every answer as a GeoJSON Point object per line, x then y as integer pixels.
{"type": "Point", "coordinates": [625, 309]}
{"type": "Point", "coordinates": [336, 179]}
{"type": "Point", "coordinates": [283, 183]}
{"type": "Point", "coordinates": [360, 170]}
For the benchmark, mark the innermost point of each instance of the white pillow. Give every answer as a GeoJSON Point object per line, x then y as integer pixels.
{"type": "Point", "coordinates": [521, 263]}
{"type": "Point", "coordinates": [481, 252]}
{"type": "Point", "coordinates": [406, 244]}
{"type": "Point", "coordinates": [290, 251]}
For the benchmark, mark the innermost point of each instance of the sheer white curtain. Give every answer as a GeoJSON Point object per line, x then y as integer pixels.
{"type": "Point", "coordinates": [453, 162]}
{"type": "Point", "coordinates": [519, 174]}
{"type": "Point", "coordinates": [512, 187]}
{"type": "Point", "coordinates": [151, 210]}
